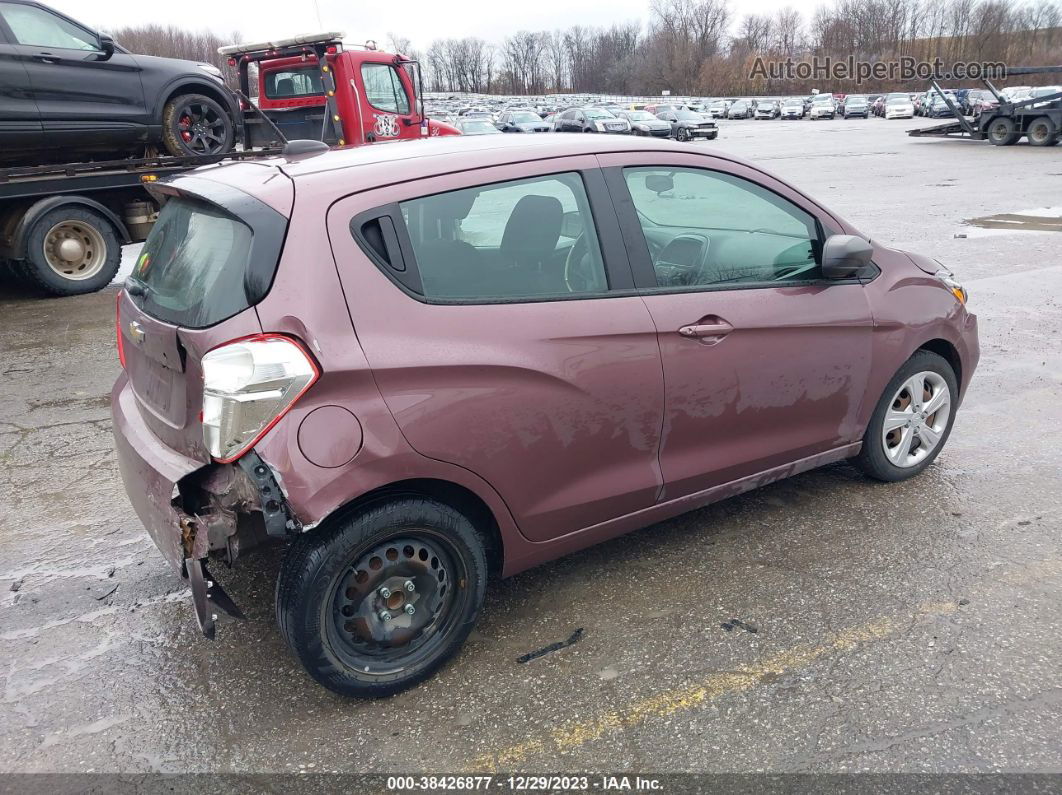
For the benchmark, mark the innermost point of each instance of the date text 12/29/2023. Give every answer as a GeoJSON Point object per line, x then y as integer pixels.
{"type": "Point", "coordinates": [575, 783]}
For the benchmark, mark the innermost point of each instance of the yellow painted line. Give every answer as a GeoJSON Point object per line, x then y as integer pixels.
{"type": "Point", "coordinates": [575, 734]}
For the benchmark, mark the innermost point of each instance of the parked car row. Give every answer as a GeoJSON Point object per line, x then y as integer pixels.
{"type": "Point", "coordinates": [657, 121]}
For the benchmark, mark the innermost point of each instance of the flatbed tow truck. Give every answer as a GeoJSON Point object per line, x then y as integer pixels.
{"type": "Point", "coordinates": [1039, 119]}
{"type": "Point", "coordinates": [62, 226]}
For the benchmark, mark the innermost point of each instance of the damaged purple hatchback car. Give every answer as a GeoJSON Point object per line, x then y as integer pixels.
{"type": "Point", "coordinates": [423, 363]}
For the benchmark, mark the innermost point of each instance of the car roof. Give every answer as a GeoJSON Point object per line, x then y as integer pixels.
{"type": "Point", "coordinates": [422, 157]}
{"type": "Point", "coordinates": [330, 175]}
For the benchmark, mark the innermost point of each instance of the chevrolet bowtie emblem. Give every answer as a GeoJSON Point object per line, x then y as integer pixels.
{"type": "Point", "coordinates": [136, 332]}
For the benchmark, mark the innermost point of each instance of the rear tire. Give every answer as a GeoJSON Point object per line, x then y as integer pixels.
{"type": "Point", "coordinates": [70, 250]}
{"type": "Point", "coordinates": [196, 125]}
{"type": "Point", "coordinates": [330, 602]}
{"type": "Point", "coordinates": [1042, 132]}
{"type": "Point", "coordinates": [1002, 131]}
{"type": "Point", "coordinates": [897, 401]}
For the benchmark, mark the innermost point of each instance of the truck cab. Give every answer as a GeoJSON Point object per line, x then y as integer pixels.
{"type": "Point", "coordinates": [313, 87]}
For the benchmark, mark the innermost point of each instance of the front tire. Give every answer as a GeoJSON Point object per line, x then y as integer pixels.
{"type": "Point", "coordinates": [912, 420]}
{"type": "Point", "coordinates": [345, 607]}
{"type": "Point", "coordinates": [196, 125]}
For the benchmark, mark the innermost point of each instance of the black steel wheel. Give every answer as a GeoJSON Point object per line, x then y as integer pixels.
{"type": "Point", "coordinates": [378, 600]}
{"type": "Point", "coordinates": [1002, 131]}
{"type": "Point", "coordinates": [193, 124]}
{"type": "Point", "coordinates": [1042, 132]}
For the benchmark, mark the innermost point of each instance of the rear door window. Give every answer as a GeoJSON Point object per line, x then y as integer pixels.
{"type": "Point", "coordinates": [201, 265]}
{"type": "Point", "coordinates": [521, 240]}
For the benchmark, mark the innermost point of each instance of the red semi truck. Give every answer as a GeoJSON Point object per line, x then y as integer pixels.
{"type": "Point", "coordinates": [62, 225]}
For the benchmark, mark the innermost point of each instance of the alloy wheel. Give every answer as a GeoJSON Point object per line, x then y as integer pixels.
{"type": "Point", "coordinates": [201, 127]}
{"type": "Point", "coordinates": [916, 419]}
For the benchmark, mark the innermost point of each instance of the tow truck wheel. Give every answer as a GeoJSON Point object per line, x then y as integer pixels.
{"type": "Point", "coordinates": [193, 124]}
{"type": "Point", "coordinates": [375, 601]}
{"type": "Point", "coordinates": [1002, 131]}
{"type": "Point", "coordinates": [70, 251]}
{"type": "Point", "coordinates": [1042, 132]}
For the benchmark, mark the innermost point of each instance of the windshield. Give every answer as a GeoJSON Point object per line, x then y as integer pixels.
{"type": "Point", "coordinates": [898, 101]}
{"type": "Point", "coordinates": [740, 105]}
{"type": "Point", "coordinates": [719, 104]}
{"type": "Point", "coordinates": [686, 115]}
{"type": "Point", "coordinates": [598, 113]}
{"type": "Point", "coordinates": [823, 101]}
{"type": "Point", "coordinates": [525, 118]}
{"type": "Point", "coordinates": [640, 115]}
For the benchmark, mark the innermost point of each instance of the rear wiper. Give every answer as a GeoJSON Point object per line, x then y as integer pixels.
{"type": "Point", "coordinates": [135, 287]}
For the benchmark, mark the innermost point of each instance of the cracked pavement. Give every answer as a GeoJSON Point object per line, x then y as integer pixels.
{"type": "Point", "coordinates": [911, 627]}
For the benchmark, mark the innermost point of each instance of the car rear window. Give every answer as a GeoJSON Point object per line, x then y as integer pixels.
{"type": "Point", "coordinates": [194, 269]}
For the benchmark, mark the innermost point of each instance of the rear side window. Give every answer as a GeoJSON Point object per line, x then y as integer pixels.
{"type": "Point", "coordinates": [194, 268]}
{"type": "Point", "coordinates": [293, 83]}
{"type": "Point", "coordinates": [521, 240]}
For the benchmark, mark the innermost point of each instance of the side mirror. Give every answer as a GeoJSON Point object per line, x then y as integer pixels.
{"type": "Point", "coordinates": [107, 46]}
{"type": "Point", "coordinates": [843, 256]}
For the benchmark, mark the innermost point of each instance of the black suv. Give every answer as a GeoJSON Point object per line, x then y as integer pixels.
{"type": "Point", "coordinates": [68, 92]}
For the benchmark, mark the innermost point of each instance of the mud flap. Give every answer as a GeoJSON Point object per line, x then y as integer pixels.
{"type": "Point", "coordinates": [207, 596]}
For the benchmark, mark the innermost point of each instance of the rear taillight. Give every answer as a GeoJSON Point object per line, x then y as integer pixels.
{"type": "Point", "coordinates": [248, 385]}
{"type": "Point", "coordinates": [118, 328]}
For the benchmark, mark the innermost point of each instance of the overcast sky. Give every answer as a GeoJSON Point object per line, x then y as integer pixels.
{"type": "Point", "coordinates": [419, 20]}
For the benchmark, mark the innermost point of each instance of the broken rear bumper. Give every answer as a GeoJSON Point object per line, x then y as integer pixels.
{"type": "Point", "coordinates": [150, 471]}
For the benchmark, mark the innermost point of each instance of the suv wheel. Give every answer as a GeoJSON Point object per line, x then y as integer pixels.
{"type": "Point", "coordinates": [377, 601]}
{"type": "Point", "coordinates": [193, 124]}
{"type": "Point", "coordinates": [69, 251]}
{"type": "Point", "coordinates": [912, 420]}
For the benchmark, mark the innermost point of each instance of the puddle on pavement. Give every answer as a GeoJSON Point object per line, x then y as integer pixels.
{"type": "Point", "coordinates": [1040, 219]}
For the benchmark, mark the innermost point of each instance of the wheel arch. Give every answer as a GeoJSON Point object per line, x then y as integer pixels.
{"type": "Point", "coordinates": [460, 498]}
{"type": "Point", "coordinates": [38, 209]}
{"type": "Point", "coordinates": [195, 85]}
{"type": "Point", "coordinates": [948, 352]}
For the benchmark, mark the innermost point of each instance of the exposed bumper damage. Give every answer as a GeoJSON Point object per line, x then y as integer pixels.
{"type": "Point", "coordinates": [195, 511]}
{"type": "Point", "coordinates": [226, 510]}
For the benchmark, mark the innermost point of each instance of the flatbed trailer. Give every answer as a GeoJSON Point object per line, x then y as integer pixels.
{"type": "Point", "coordinates": [1039, 119]}
{"type": "Point", "coordinates": [62, 226]}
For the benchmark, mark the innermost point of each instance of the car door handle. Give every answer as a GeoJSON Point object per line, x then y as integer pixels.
{"type": "Point", "coordinates": [706, 330]}
{"type": "Point", "coordinates": [46, 58]}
